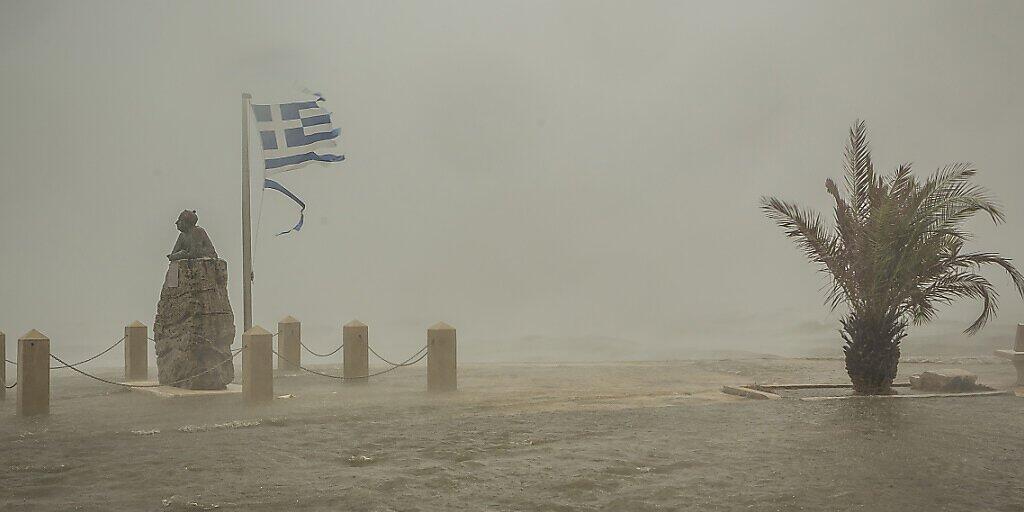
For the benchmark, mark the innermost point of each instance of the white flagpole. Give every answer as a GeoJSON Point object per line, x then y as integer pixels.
{"type": "Point", "coordinates": [246, 218]}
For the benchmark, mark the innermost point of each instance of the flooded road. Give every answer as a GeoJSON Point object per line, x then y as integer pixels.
{"type": "Point", "coordinates": [617, 436]}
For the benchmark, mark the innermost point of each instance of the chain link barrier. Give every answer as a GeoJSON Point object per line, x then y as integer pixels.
{"type": "Point", "coordinates": [329, 354]}
{"type": "Point", "coordinates": [422, 353]}
{"type": "Point", "coordinates": [61, 367]}
{"type": "Point", "coordinates": [374, 352]}
{"type": "Point", "coordinates": [412, 360]}
{"type": "Point", "coordinates": [116, 343]}
{"type": "Point", "coordinates": [15, 382]}
{"type": "Point", "coordinates": [303, 345]}
{"type": "Point", "coordinates": [122, 384]}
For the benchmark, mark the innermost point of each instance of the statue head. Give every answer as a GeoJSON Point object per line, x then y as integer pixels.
{"type": "Point", "coordinates": [187, 220]}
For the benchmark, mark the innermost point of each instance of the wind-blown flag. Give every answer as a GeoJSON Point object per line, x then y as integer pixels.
{"type": "Point", "coordinates": [289, 133]}
{"type": "Point", "coordinates": [273, 185]}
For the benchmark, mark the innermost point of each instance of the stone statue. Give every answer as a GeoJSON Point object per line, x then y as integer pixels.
{"type": "Point", "coordinates": [194, 327]}
{"type": "Point", "coordinates": [193, 242]}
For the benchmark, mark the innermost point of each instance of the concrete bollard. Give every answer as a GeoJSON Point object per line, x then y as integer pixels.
{"type": "Point", "coordinates": [33, 374]}
{"type": "Point", "coordinates": [3, 366]}
{"type": "Point", "coordinates": [356, 358]}
{"type": "Point", "coordinates": [441, 358]}
{"type": "Point", "coordinates": [1018, 360]}
{"type": "Point", "coordinates": [289, 350]}
{"type": "Point", "coordinates": [257, 366]}
{"type": "Point", "coordinates": [136, 352]}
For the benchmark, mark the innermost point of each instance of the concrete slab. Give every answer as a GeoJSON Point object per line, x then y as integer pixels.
{"type": "Point", "coordinates": [1012, 355]}
{"type": "Point", "coordinates": [763, 392]}
{"type": "Point", "coordinates": [821, 386]}
{"type": "Point", "coordinates": [919, 395]}
{"type": "Point", "coordinates": [173, 392]}
{"type": "Point", "coordinates": [747, 392]}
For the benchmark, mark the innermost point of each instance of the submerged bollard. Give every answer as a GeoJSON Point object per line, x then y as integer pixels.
{"type": "Point", "coordinates": [289, 350]}
{"type": "Point", "coordinates": [136, 352]}
{"type": "Point", "coordinates": [441, 358]}
{"type": "Point", "coordinates": [257, 366]}
{"type": "Point", "coordinates": [356, 358]}
{"type": "Point", "coordinates": [3, 366]}
{"type": "Point", "coordinates": [1018, 361]}
{"type": "Point", "coordinates": [33, 374]}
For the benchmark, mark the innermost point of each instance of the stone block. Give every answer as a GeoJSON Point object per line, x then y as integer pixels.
{"type": "Point", "coordinates": [949, 380]}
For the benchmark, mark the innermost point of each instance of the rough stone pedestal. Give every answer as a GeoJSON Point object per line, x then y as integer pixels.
{"type": "Point", "coordinates": [194, 326]}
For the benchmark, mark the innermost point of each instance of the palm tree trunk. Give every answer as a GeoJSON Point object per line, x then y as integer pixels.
{"type": "Point", "coordinates": [872, 352]}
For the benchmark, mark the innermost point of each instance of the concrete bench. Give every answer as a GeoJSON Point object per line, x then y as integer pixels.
{"type": "Point", "coordinates": [1016, 355]}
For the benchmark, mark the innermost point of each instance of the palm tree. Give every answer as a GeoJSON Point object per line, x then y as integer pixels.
{"type": "Point", "coordinates": [895, 254]}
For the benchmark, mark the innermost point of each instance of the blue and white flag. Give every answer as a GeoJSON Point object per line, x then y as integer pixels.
{"type": "Point", "coordinates": [289, 134]}
{"type": "Point", "coordinates": [273, 185]}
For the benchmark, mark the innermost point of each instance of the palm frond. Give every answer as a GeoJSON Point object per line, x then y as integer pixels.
{"type": "Point", "coordinates": [818, 244]}
{"type": "Point", "coordinates": [860, 173]}
{"type": "Point", "coordinates": [980, 259]}
{"type": "Point", "coordinates": [963, 285]}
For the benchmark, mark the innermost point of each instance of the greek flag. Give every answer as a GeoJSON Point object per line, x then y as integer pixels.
{"type": "Point", "coordinates": [289, 133]}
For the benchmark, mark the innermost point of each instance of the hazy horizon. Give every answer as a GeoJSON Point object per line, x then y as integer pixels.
{"type": "Point", "coordinates": [562, 170]}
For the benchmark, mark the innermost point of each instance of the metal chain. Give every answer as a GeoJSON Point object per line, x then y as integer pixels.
{"type": "Point", "coordinates": [381, 358]}
{"type": "Point", "coordinates": [408, 362]}
{"type": "Point", "coordinates": [418, 359]}
{"type": "Point", "coordinates": [329, 354]}
{"type": "Point", "coordinates": [73, 366]}
{"type": "Point", "coordinates": [339, 377]}
{"type": "Point", "coordinates": [204, 372]}
{"type": "Point", "coordinates": [116, 343]}
{"type": "Point", "coordinates": [303, 345]}
{"type": "Point", "coordinates": [15, 382]}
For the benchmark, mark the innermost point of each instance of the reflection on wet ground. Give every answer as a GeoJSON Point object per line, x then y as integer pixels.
{"type": "Point", "coordinates": [619, 436]}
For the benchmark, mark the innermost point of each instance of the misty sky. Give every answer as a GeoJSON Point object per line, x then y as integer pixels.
{"type": "Point", "coordinates": [561, 169]}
